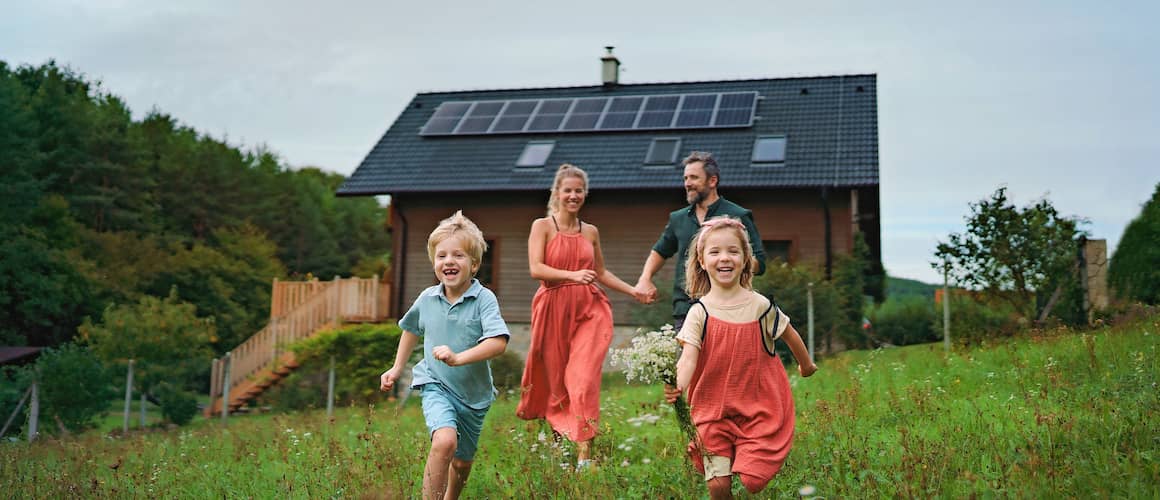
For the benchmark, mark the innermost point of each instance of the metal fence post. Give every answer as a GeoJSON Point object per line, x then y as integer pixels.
{"type": "Point", "coordinates": [142, 409]}
{"type": "Point", "coordinates": [34, 412]}
{"type": "Point", "coordinates": [330, 391]}
{"type": "Point", "coordinates": [229, 362]}
{"type": "Point", "coordinates": [946, 310]}
{"type": "Point", "coordinates": [810, 316]}
{"type": "Point", "coordinates": [128, 396]}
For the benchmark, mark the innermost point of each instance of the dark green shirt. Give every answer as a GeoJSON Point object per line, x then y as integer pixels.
{"type": "Point", "coordinates": [679, 232]}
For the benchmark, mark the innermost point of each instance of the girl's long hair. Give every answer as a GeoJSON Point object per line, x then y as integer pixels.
{"type": "Point", "coordinates": [565, 171]}
{"type": "Point", "coordinates": [697, 282]}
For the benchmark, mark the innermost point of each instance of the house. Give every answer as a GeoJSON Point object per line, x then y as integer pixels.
{"type": "Point", "coordinates": [801, 153]}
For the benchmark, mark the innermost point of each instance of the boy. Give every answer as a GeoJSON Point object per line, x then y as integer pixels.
{"type": "Point", "coordinates": [461, 327]}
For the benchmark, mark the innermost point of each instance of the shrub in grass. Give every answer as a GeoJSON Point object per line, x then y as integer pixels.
{"type": "Point", "coordinates": [506, 370]}
{"type": "Point", "coordinates": [905, 321]}
{"type": "Point", "coordinates": [75, 388]}
{"type": "Point", "coordinates": [177, 406]}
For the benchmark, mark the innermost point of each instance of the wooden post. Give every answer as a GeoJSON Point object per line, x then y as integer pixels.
{"type": "Point", "coordinates": [128, 396]}
{"type": "Point", "coordinates": [34, 412]}
{"type": "Point", "coordinates": [338, 300]}
{"type": "Point", "coordinates": [226, 374]}
{"type": "Point", "coordinates": [330, 391]}
{"type": "Point", "coordinates": [810, 316]}
{"type": "Point", "coordinates": [946, 309]}
{"type": "Point", "coordinates": [275, 299]}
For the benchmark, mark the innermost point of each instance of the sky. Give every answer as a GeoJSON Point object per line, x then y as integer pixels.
{"type": "Point", "coordinates": [1050, 99]}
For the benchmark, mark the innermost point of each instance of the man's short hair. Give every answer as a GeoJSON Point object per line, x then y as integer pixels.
{"type": "Point", "coordinates": [706, 159]}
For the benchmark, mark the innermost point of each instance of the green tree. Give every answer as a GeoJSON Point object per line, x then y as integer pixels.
{"type": "Point", "coordinates": [1135, 268]}
{"type": "Point", "coordinates": [165, 337]}
{"type": "Point", "coordinates": [1026, 257]}
{"type": "Point", "coordinates": [75, 387]}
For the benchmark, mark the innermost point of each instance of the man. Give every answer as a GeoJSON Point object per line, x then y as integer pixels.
{"type": "Point", "coordinates": [702, 176]}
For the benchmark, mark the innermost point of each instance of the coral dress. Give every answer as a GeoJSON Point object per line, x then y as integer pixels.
{"type": "Point", "coordinates": [741, 402]}
{"type": "Point", "coordinates": [571, 332]}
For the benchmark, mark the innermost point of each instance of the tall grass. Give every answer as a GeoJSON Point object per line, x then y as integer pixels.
{"type": "Point", "coordinates": [1044, 414]}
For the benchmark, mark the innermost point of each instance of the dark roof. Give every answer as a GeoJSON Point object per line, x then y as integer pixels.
{"type": "Point", "coordinates": [831, 124]}
{"type": "Point", "coordinates": [10, 354]}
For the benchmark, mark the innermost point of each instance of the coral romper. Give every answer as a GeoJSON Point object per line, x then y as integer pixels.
{"type": "Point", "coordinates": [740, 400]}
{"type": "Point", "coordinates": [571, 332]}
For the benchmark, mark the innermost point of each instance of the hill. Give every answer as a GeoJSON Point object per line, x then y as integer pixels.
{"type": "Point", "coordinates": [902, 287]}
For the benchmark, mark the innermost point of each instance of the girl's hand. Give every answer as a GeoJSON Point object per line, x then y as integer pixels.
{"type": "Point", "coordinates": [446, 355]}
{"type": "Point", "coordinates": [807, 370]}
{"type": "Point", "coordinates": [582, 276]}
{"type": "Point", "coordinates": [672, 393]}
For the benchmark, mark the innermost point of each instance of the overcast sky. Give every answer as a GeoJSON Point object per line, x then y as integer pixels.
{"type": "Point", "coordinates": [1048, 98]}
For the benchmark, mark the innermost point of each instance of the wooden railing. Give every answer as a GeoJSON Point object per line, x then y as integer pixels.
{"type": "Point", "coordinates": [298, 311]}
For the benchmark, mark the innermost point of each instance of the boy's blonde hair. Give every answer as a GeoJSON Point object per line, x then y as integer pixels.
{"type": "Point", "coordinates": [697, 282]}
{"type": "Point", "coordinates": [565, 171]}
{"type": "Point", "coordinates": [458, 225]}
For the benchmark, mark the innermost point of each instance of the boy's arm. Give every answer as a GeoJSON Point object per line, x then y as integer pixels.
{"type": "Point", "coordinates": [485, 350]}
{"type": "Point", "coordinates": [806, 365]}
{"type": "Point", "coordinates": [407, 343]}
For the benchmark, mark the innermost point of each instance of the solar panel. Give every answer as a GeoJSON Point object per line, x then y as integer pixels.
{"type": "Point", "coordinates": [585, 114]}
{"type": "Point", "coordinates": [514, 116]}
{"type": "Point", "coordinates": [641, 112]}
{"type": "Point", "coordinates": [621, 113]}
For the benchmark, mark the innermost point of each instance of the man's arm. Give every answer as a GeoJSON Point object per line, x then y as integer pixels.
{"type": "Point", "coordinates": [755, 242]}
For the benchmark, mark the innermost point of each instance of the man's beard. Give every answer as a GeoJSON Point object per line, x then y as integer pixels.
{"type": "Point", "coordinates": [696, 197]}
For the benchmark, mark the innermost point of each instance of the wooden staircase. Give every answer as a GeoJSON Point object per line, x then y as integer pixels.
{"type": "Point", "coordinates": [298, 310]}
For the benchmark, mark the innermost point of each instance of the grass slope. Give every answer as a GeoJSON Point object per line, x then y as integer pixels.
{"type": "Point", "coordinates": [1039, 416]}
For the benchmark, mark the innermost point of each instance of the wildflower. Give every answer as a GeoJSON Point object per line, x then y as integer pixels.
{"type": "Point", "coordinates": [646, 460]}
{"type": "Point", "coordinates": [807, 491]}
{"type": "Point", "coordinates": [652, 358]}
{"type": "Point", "coordinates": [624, 463]}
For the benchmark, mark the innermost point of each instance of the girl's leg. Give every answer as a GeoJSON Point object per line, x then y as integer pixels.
{"type": "Point", "coordinates": [458, 473]}
{"type": "Point", "coordinates": [443, 443]}
{"type": "Point", "coordinates": [583, 451]}
{"type": "Point", "coordinates": [720, 487]}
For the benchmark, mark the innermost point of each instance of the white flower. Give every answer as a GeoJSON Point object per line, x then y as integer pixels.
{"type": "Point", "coordinates": [807, 490]}
{"type": "Point", "coordinates": [651, 358]}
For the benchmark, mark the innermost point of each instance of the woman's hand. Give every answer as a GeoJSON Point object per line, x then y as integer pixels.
{"type": "Point", "coordinates": [582, 276]}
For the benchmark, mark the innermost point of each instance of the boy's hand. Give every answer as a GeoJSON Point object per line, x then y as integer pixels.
{"type": "Point", "coordinates": [672, 393]}
{"type": "Point", "coordinates": [388, 378]}
{"type": "Point", "coordinates": [446, 355]}
{"type": "Point", "coordinates": [807, 370]}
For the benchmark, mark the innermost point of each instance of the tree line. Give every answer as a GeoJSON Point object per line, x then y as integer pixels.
{"type": "Point", "coordinates": [99, 210]}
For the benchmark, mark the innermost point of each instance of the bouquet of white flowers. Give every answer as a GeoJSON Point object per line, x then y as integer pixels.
{"type": "Point", "coordinates": [652, 358]}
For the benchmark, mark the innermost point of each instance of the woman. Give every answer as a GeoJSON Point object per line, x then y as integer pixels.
{"type": "Point", "coordinates": [571, 317]}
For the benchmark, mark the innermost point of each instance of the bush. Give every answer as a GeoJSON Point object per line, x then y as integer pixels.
{"type": "Point", "coordinates": [506, 370]}
{"type": "Point", "coordinates": [974, 319]}
{"type": "Point", "coordinates": [906, 320]}
{"type": "Point", "coordinates": [177, 406]}
{"type": "Point", "coordinates": [361, 353]}
{"type": "Point", "coordinates": [1134, 272]}
{"type": "Point", "coordinates": [788, 286]}
{"type": "Point", "coordinates": [74, 387]}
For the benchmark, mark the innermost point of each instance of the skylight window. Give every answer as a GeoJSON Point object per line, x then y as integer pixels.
{"type": "Point", "coordinates": [663, 151]}
{"type": "Point", "coordinates": [536, 154]}
{"type": "Point", "coordinates": [770, 149]}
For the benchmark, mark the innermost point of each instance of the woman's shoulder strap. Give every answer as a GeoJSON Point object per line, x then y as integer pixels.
{"type": "Point", "coordinates": [554, 223]}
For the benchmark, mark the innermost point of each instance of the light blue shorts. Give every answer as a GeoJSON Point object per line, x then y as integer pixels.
{"type": "Point", "coordinates": [442, 409]}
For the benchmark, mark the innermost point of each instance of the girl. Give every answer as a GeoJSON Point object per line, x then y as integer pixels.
{"type": "Point", "coordinates": [571, 317]}
{"type": "Point", "coordinates": [738, 391]}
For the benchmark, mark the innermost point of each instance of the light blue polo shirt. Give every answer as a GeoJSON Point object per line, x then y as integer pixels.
{"type": "Point", "coordinates": [460, 326]}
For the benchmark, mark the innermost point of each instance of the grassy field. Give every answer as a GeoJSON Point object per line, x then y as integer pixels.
{"type": "Point", "coordinates": [1049, 414]}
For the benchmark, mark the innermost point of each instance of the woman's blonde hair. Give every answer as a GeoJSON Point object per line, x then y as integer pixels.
{"type": "Point", "coordinates": [565, 171]}
{"type": "Point", "coordinates": [697, 282]}
{"type": "Point", "coordinates": [458, 225]}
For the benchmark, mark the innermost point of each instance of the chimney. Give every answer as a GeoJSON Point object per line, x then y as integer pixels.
{"type": "Point", "coordinates": [609, 68]}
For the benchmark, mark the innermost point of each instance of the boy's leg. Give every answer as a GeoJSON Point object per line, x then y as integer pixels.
{"type": "Point", "coordinates": [443, 443]}
{"type": "Point", "coordinates": [457, 477]}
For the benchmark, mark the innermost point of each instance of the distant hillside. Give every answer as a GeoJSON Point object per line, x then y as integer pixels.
{"type": "Point", "coordinates": [902, 287]}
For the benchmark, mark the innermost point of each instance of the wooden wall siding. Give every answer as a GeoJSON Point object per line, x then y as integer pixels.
{"type": "Point", "coordinates": [629, 223]}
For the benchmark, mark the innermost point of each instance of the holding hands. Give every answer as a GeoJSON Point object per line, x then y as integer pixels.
{"type": "Point", "coordinates": [645, 292]}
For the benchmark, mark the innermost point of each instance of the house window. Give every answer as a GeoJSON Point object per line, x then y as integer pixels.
{"type": "Point", "coordinates": [770, 149]}
{"type": "Point", "coordinates": [487, 270]}
{"type": "Point", "coordinates": [776, 249]}
{"type": "Point", "coordinates": [663, 151]}
{"type": "Point", "coordinates": [536, 154]}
